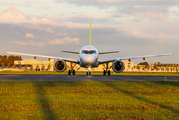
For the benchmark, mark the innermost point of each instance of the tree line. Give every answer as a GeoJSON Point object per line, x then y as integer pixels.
{"type": "Point", "coordinates": [9, 59]}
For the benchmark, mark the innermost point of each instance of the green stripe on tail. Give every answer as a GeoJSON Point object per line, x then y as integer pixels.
{"type": "Point", "coordinates": [3, 49]}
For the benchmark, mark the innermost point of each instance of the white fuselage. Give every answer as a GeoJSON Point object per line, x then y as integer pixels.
{"type": "Point", "coordinates": [89, 57]}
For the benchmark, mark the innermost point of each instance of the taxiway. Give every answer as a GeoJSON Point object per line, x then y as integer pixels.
{"type": "Point", "coordinates": [5, 78]}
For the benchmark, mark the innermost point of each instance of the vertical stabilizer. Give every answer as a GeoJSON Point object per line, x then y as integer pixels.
{"type": "Point", "coordinates": [90, 34]}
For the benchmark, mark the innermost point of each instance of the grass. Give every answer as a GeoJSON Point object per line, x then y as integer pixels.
{"type": "Point", "coordinates": [89, 100]}
{"type": "Point", "coordinates": [174, 74]}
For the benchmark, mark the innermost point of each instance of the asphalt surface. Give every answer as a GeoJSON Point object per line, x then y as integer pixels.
{"type": "Point", "coordinates": [4, 78]}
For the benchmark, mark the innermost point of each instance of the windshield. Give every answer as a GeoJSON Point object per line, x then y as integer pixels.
{"type": "Point", "coordinates": [88, 52]}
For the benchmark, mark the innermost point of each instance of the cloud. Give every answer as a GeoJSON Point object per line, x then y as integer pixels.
{"type": "Point", "coordinates": [175, 26]}
{"type": "Point", "coordinates": [87, 1]}
{"type": "Point", "coordinates": [160, 40]}
{"type": "Point", "coordinates": [50, 30]}
{"type": "Point", "coordinates": [66, 40]}
{"type": "Point", "coordinates": [29, 35]}
{"type": "Point", "coordinates": [158, 15]}
{"type": "Point", "coordinates": [119, 2]}
{"type": "Point", "coordinates": [62, 34]}
{"type": "Point", "coordinates": [12, 15]}
{"type": "Point", "coordinates": [168, 36]}
{"type": "Point", "coordinates": [109, 1]}
{"type": "Point", "coordinates": [32, 26]}
{"type": "Point", "coordinates": [141, 34]}
{"type": "Point", "coordinates": [15, 3]}
{"type": "Point", "coordinates": [40, 44]}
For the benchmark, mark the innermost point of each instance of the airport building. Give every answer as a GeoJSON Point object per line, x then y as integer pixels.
{"type": "Point", "coordinates": [33, 64]}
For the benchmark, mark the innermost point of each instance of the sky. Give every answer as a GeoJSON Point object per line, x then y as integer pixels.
{"type": "Point", "coordinates": [133, 27]}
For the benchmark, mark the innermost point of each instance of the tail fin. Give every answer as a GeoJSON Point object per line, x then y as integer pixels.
{"type": "Point", "coordinates": [90, 34]}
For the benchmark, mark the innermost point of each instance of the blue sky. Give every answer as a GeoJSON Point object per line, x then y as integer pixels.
{"type": "Point", "coordinates": [134, 27]}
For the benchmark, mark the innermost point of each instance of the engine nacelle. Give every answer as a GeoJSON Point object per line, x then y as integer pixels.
{"type": "Point", "coordinates": [59, 65]}
{"type": "Point", "coordinates": [118, 66]}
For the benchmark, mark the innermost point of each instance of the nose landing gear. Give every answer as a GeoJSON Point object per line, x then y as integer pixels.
{"type": "Point", "coordinates": [89, 72]}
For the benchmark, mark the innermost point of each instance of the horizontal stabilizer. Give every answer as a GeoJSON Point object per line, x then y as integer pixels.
{"type": "Point", "coordinates": [109, 52]}
{"type": "Point", "coordinates": [70, 52]}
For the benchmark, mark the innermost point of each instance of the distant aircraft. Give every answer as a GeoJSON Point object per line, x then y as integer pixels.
{"type": "Point", "coordinates": [88, 58]}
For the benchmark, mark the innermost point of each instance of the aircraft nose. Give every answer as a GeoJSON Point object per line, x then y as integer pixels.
{"type": "Point", "coordinates": [89, 60]}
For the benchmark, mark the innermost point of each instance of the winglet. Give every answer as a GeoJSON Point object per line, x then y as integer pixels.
{"type": "Point", "coordinates": [3, 49]}
{"type": "Point", "coordinates": [90, 34]}
{"type": "Point", "coordinates": [176, 51]}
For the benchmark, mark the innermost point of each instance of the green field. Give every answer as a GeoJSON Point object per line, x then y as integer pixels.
{"type": "Point", "coordinates": [89, 100]}
{"type": "Point", "coordinates": [174, 74]}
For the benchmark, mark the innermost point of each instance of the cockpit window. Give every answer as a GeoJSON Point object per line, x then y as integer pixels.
{"type": "Point", "coordinates": [88, 52]}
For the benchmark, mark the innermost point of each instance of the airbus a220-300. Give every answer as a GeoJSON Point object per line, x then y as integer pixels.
{"type": "Point", "coordinates": [88, 58]}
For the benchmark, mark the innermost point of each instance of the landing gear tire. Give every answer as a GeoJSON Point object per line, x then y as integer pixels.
{"type": "Point", "coordinates": [109, 73]}
{"type": "Point", "coordinates": [73, 72]}
{"type": "Point", "coordinates": [69, 72]}
{"type": "Point", "coordinates": [104, 72]}
{"type": "Point", "coordinates": [88, 73]}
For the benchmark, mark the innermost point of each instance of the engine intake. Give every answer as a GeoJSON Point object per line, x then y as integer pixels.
{"type": "Point", "coordinates": [118, 66]}
{"type": "Point", "coordinates": [59, 65]}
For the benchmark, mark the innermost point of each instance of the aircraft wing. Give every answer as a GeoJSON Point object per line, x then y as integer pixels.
{"type": "Point", "coordinates": [135, 57]}
{"type": "Point", "coordinates": [43, 56]}
{"type": "Point", "coordinates": [108, 52]}
{"type": "Point", "coordinates": [71, 52]}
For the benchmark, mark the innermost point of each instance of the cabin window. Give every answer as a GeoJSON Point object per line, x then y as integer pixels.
{"type": "Point", "coordinates": [88, 52]}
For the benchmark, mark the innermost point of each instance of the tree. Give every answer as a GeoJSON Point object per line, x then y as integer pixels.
{"type": "Point", "coordinates": [9, 65]}
{"type": "Point", "coordinates": [37, 67]}
{"type": "Point", "coordinates": [144, 63]}
{"type": "Point", "coordinates": [26, 66]}
{"type": "Point", "coordinates": [31, 67]}
{"type": "Point", "coordinates": [156, 63]}
{"type": "Point", "coordinates": [43, 67]}
{"type": "Point", "coordinates": [49, 66]}
{"type": "Point", "coordinates": [14, 66]}
{"type": "Point", "coordinates": [148, 67]}
{"type": "Point", "coordinates": [10, 59]}
{"type": "Point", "coordinates": [5, 60]}
{"type": "Point", "coordinates": [20, 65]}
{"type": "Point", "coordinates": [138, 67]}
{"type": "Point", "coordinates": [3, 65]}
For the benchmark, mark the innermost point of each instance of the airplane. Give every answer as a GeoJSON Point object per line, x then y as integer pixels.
{"type": "Point", "coordinates": [88, 58]}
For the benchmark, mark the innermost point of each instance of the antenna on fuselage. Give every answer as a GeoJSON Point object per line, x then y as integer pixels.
{"type": "Point", "coordinates": [90, 34]}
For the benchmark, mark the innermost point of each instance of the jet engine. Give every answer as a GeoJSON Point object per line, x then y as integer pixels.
{"type": "Point", "coordinates": [59, 65]}
{"type": "Point", "coordinates": [118, 66]}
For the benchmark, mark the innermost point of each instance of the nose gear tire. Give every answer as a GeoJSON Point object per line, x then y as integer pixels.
{"type": "Point", "coordinates": [109, 73]}
{"type": "Point", "coordinates": [69, 72]}
{"type": "Point", "coordinates": [104, 72]}
{"type": "Point", "coordinates": [73, 72]}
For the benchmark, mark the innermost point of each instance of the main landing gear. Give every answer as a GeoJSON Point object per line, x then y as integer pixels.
{"type": "Point", "coordinates": [106, 71]}
{"type": "Point", "coordinates": [71, 71]}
